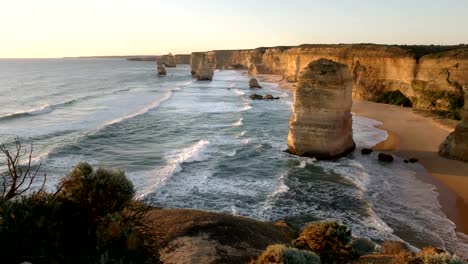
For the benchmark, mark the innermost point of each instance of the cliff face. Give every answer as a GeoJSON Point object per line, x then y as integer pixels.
{"type": "Point", "coordinates": [182, 58]}
{"type": "Point", "coordinates": [321, 125]}
{"type": "Point", "coordinates": [432, 82]}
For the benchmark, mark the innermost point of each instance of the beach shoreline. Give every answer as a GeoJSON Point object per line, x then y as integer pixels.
{"type": "Point", "coordinates": [419, 137]}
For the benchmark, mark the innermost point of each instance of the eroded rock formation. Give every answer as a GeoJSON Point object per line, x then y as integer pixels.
{"type": "Point", "coordinates": [253, 83]}
{"type": "Point", "coordinates": [205, 73]}
{"type": "Point", "coordinates": [456, 144]}
{"type": "Point", "coordinates": [321, 125]}
{"type": "Point", "coordinates": [161, 70]}
{"type": "Point", "coordinates": [167, 60]}
{"type": "Point", "coordinates": [431, 81]}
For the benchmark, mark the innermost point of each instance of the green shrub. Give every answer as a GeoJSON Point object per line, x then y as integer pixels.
{"type": "Point", "coordinates": [330, 240]}
{"type": "Point", "coordinates": [394, 98]}
{"type": "Point", "coordinates": [280, 254]}
{"type": "Point", "coordinates": [100, 191]}
{"type": "Point", "coordinates": [363, 246]}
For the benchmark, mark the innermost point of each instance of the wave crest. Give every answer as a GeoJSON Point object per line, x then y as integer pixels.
{"type": "Point", "coordinates": [44, 109]}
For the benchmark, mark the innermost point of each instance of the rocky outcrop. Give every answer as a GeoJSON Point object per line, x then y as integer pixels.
{"type": "Point", "coordinates": [189, 236]}
{"type": "Point", "coordinates": [205, 73]}
{"type": "Point", "coordinates": [456, 144]}
{"type": "Point", "coordinates": [202, 69]}
{"type": "Point", "coordinates": [161, 70]}
{"type": "Point", "coordinates": [167, 60]}
{"type": "Point", "coordinates": [266, 97]}
{"type": "Point", "coordinates": [321, 125]}
{"type": "Point", "coordinates": [431, 81]}
{"type": "Point", "coordinates": [253, 83]}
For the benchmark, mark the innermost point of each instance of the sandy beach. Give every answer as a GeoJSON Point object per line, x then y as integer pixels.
{"type": "Point", "coordinates": [412, 135]}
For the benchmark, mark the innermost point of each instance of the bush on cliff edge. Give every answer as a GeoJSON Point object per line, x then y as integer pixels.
{"type": "Point", "coordinates": [280, 254]}
{"type": "Point", "coordinates": [329, 239]}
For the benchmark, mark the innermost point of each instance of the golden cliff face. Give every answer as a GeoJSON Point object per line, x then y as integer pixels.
{"type": "Point", "coordinates": [374, 68]}
{"type": "Point", "coordinates": [321, 125]}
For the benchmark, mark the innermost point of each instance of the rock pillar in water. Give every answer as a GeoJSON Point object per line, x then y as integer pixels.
{"type": "Point", "coordinates": [161, 70]}
{"type": "Point", "coordinates": [205, 73]}
{"type": "Point", "coordinates": [456, 144]}
{"type": "Point", "coordinates": [321, 125]}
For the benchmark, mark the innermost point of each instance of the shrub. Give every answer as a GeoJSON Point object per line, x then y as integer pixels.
{"type": "Point", "coordinates": [395, 98]}
{"type": "Point", "coordinates": [393, 248]}
{"type": "Point", "coordinates": [363, 246]}
{"type": "Point", "coordinates": [280, 254]}
{"type": "Point", "coordinates": [330, 240]}
{"type": "Point", "coordinates": [100, 191]}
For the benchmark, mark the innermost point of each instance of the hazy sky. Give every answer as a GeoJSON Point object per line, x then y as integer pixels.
{"type": "Point", "coordinates": [56, 28]}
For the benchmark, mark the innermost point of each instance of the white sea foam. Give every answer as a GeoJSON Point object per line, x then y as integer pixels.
{"type": "Point", "coordinates": [279, 189]}
{"type": "Point", "coordinates": [239, 92]}
{"type": "Point", "coordinates": [365, 132]}
{"type": "Point", "coordinates": [174, 165]}
{"type": "Point", "coordinates": [238, 122]}
{"type": "Point", "coordinates": [156, 103]}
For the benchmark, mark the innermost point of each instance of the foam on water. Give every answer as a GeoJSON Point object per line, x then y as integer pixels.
{"type": "Point", "coordinates": [174, 165]}
{"type": "Point", "coordinates": [238, 122]}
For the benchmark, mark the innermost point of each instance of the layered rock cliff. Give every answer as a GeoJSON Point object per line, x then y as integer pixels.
{"type": "Point", "coordinates": [431, 82]}
{"type": "Point", "coordinates": [182, 58]}
{"type": "Point", "coordinates": [321, 125]}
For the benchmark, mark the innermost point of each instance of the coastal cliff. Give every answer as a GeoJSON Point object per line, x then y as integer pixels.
{"type": "Point", "coordinates": [182, 58]}
{"type": "Point", "coordinates": [432, 82]}
{"type": "Point", "coordinates": [321, 125]}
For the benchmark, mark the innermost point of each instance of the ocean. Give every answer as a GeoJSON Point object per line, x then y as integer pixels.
{"type": "Point", "coordinates": [206, 145]}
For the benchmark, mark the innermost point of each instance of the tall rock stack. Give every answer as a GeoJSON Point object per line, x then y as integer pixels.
{"type": "Point", "coordinates": [456, 144]}
{"type": "Point", "coordinates": [161, 70]}
{"type": "Point", "coordinates": [321, 125]}
{"type": "Point", "coordinates": [201, 68]}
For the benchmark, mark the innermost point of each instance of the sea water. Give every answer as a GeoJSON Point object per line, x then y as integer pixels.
{"type": "Point", "coordinates": [206, 145]}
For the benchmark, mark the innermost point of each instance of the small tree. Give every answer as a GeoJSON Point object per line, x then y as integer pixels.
{"type": "Point", "coordinates": [20, 176]}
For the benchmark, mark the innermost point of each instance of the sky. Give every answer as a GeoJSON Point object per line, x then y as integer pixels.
{"type": "Point", "coordinates": [59, 28]}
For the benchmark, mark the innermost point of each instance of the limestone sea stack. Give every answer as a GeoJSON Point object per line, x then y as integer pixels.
{"type": "Point", "coordinates": [321, 125]}
{"type": "Point", "coordinates": [456, 144]}
{"type": "Point", "coordinates": [161, 70]}
{"type": "Point", "coordinates": [205, 73]}
{"type": "Point", "coordinates": [253, 83]}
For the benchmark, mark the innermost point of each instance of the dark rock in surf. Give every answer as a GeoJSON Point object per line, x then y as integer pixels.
{"type": "Point", "coordinates": [256, 97]}
{"type": "Point", "coordinates": [385, 157]}
{"type": "Point", "coordinates": [270, 97]}
{"type": "Point", "coordinates": [366, 151]}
